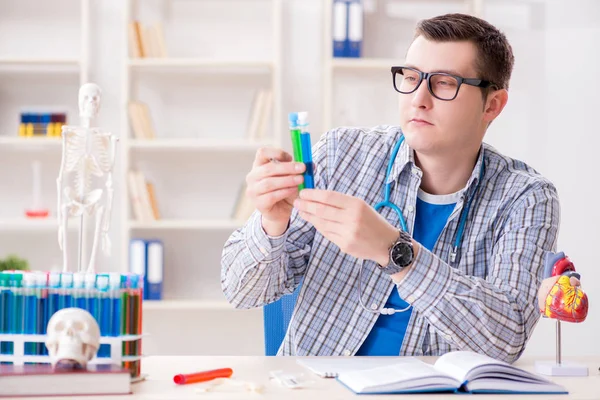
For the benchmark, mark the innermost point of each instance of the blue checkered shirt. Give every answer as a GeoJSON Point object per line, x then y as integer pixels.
{"type": "Point", "coordinates": [486, 302]}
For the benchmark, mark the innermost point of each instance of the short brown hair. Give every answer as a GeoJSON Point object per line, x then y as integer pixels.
{"type": "Point", "coordinates": [495, 58]}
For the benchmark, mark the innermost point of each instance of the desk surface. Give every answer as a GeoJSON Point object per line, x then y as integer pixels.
{"type": "Point", "coordinates": [159, 382]}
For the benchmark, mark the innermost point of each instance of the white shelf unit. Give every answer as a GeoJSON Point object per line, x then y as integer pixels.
{"type": "Point", "coordinates": [228, 150]}
{"type": "Point", "coordinates": [36, 74]}
{"type": "Point", "coordinates": [373, 67]}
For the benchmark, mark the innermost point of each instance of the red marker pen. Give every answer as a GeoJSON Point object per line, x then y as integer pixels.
{"type": "Point", "coordinates": [182, 379]}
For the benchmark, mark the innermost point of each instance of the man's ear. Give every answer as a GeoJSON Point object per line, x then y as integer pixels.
{"type": "Point", "coordinates": [494, 104]}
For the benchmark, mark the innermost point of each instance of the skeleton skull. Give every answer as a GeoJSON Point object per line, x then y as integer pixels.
{"type": "Point", "coordinates": [73, 337]}
{"type": "Point", "coordinates": [89, 100]}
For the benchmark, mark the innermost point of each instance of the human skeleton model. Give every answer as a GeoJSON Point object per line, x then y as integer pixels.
{"type": "Point", "coordinates": [560, 295]}
{"type": "Point", "coordinates": [88, 158]}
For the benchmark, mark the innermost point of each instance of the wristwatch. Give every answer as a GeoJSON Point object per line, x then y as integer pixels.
{"type": "Point", "coordinates": [401, 254]}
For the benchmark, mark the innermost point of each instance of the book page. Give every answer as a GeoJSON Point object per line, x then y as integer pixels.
{"type": "Point", "coordinates": [470, 366]}
{"type": "Point", "coordinates": [458, 364]}
{"type": "Point", "coordinates": [406, 374]}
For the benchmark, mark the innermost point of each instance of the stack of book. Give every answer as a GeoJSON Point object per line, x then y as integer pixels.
{"type": "Point", "coordinates": [146, 42]}
{"type": "Point", "coordinates": [260, 115]}
{"type": "Point", "coordinates": [42, 124]}
{"type": "Point", "coordinates": [143, 197]}
{"type": "Point", "coordinates": [141, 123]}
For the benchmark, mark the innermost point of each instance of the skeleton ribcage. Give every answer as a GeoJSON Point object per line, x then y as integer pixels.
{"type": "Point", "coordinates": [86, 161]}
{"type": "Point", "coordinates": [95, 160]}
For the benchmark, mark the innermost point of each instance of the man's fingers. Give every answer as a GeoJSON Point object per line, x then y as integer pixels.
{"type": "Point", "coordinates": [322, 225]}
{"type": "Point", "coordinates": [329, 197]}
{"type": "Point", "coordinates": [320, 210]}
{"type": "Point", "coordinates": [276, 169]}
{"type": "Point", "coordinates": [276, 183]}
{"type": "Point", "coordinates": [268, 199]}
{"type": "Point", "coordinates": [266, 154]}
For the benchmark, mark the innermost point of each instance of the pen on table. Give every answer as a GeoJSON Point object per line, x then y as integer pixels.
{"type": "Point", "coordinates": [182, 379]}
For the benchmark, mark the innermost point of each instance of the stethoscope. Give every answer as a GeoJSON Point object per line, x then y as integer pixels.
{"type": "Point", "coordinates": [454, 251]}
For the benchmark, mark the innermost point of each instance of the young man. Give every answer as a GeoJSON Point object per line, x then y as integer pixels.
{"type": "Point", "coordinates": [464, 275]}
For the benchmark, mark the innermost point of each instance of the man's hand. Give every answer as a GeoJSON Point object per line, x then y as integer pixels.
{"type": "Point", "coordinates": [273, 186]}
{"type": "Point", "coordinates": [349, 222]}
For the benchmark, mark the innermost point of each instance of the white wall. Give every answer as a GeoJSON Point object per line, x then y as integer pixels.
{"type": "Point", "coordinates": [548, 123]}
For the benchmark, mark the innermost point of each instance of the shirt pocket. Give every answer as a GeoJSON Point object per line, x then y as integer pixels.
{"type": "Point", "coordinates": [473, 263]}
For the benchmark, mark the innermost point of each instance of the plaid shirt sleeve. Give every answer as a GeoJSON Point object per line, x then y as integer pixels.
{"type": "Point", "coordinates": [493, 315]}
{"type": "Point", "coordinates": [257, 269]}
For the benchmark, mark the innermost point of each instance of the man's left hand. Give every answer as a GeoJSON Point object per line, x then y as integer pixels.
{"type": "Point", "coordinates": [349, 222]}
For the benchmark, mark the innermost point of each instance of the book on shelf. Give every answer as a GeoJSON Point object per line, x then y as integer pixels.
{"type": "Point", "coordinates": [456, 372]}
{"type": "Point", "coordinates": [146, 41]}
{"type": "Point", "coordinates": [44, 380]}
{"type": "Point", "coordinates": [260, 115]}
{"type": "Point", "coordinates": [142, 196]}
{"type": "Point", "coordinates": [140, 120]}
{"type": "Point", "coordinates": [244, 207]}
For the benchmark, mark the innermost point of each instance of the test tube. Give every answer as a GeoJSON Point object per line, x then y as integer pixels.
{"type": "Point", "coordinates": [102, 286]}
{"type": "Point", "coordinates": [66, 290]}
{"type": "Point", "coordinates": [79, 299]}
{"type": "Point", "coordinates": [295, 132]}
{"type": "Point", "coordinates": [306, 150]}
{"type": "Point", "coordinates": [53, 300]}
{"type": "Point", "coordinates": [16, 304]}
{"type": "Point", "coordinates": [91, 295]}
{"type": "Point", "coordinates": [31, 310]}
{"type": "Point", "coordinates": [4, 311]}
{"type": "Point", "coordinates": [125, 316]}
{"type": "Point", "coordinates": [136, 319]}
{"type": "Point", "coordinates": [41, 294]}
{"type": "Point", "coordinates": [114, 281]}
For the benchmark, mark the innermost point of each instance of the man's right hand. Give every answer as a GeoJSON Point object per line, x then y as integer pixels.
{"type": "Point", "coordinates": [272, 185]}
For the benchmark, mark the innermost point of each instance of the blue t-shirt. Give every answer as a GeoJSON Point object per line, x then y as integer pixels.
{"type": "Point", "coordinates": [385, 339]}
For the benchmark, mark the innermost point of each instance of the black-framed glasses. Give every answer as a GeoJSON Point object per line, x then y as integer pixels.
{"type": "Point", "coordinates": [441, 85]}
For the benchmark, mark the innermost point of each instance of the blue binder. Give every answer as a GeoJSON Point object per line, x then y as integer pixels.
{"type": "Point", "coordinates": [340, 28]}
{"type": "Point", "coordinates": [355, 28]}
{"type": "Point", "coordinates": [347, 32]}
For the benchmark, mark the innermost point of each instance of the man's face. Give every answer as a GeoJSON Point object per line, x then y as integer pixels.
{"type": "Point", "coordinates": [432, 126]}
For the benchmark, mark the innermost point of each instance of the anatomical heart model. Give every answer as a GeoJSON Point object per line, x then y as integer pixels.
{"type": "Point", "coordinates": [560, 297]}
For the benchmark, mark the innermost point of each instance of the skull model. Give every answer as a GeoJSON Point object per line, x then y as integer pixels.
{"type": "Point", "coordinates": [73, 337]}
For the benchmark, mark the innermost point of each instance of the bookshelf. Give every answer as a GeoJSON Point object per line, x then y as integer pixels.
{"type": "Point", "coordinates": [371, 72]}
{"type": "Point", "coordinates": [36, 74]}
{"type": "Point", "coordinates": [213, 91]}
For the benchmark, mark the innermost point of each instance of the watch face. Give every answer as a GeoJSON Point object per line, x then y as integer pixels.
{"type": "Point", "coordinates": [402, 254]}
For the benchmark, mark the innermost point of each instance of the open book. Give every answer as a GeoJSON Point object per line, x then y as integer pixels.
{"type": "Point", "coordinates": [460, 371]}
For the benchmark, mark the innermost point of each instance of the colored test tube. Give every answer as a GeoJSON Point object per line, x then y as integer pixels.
{"type": "Point", "coordinates": [295, 133]}
{"type": "Point", "coordinates": [79, 299]}
{"type": "Point", "coordinates": [92, 299]}
{"type": "Point", "coordinates": [114, 281]}
{"type": "Point", "coordinates": [102, 286]}
{"type": "Point", "coordinates": [135, 291]}
{"type": "Point", "coordinates": [66, 290]}
{"type": "Point", "coordinates": [306, 150]}
{"type": "Point", "coordinates": [183, 379]}
{"type": "Point", "coordinates": [140, 299]}
{"type": "Point", "coordinates": [41, 294]}
{"type": "Point", "coordinates": [31, 310]}
{"type": "Point", "coordinates": [4, 292]}
{"type": "Point", "coordinates": [53, 301]}
{"type": "Point", "coordinates": [16, 304]}
{"type": "Point", "coordinates": [125, 316]}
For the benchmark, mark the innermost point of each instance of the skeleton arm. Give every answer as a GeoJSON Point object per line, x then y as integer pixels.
{"type": "Point", "coordinates": [109, 192]}
{"type": "Point", "coordinates": [59, 191]}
